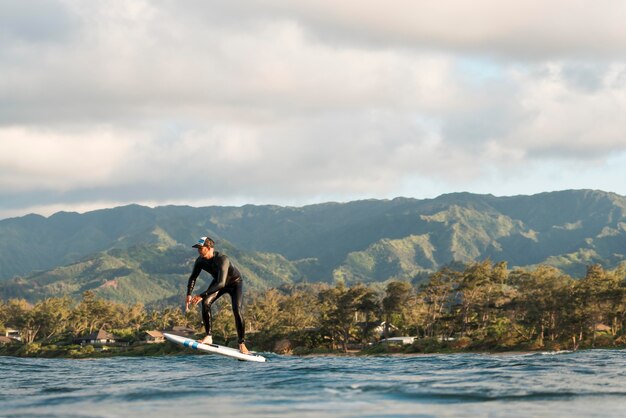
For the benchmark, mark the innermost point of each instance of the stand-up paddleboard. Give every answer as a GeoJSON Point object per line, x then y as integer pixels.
{"type": "Point", "coordinates": [214, 348]}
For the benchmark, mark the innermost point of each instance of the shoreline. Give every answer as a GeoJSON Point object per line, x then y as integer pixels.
{"type": "Point", "coordinates": [170, 350]}
{"type": "Point", "coordinates": [439, 353]}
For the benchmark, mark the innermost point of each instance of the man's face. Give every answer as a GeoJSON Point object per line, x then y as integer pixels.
{"type": "Point", "coordinates": [205, 252]}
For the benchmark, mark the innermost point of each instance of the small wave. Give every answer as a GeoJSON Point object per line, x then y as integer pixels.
{"type": "Point", "coordinates": [162, 395]}
{"type": "Point", "coordinates": [67, 400]}
{"type": "Point", "coordinates": [59, 389]}
{"type": "Point", "coordinates": [431, 392]}
{"type": "Point", "coordinates": [431, 396]}
{"type": "Point", "coordinates": [554, 353]}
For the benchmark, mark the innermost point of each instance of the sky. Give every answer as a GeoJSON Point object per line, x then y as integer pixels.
{"type": "Point", "coordinates": [200, 102]}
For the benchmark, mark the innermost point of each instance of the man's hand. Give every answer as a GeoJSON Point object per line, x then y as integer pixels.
{"type": "Point", "coordinates": [196, 299]}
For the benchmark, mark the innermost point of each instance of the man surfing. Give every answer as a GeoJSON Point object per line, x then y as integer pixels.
{"type": "Point", "coordinates": [226, 279]}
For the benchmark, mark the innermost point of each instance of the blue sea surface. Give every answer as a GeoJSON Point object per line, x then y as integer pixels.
{"type": "Point", "coordinates": [578, 384]}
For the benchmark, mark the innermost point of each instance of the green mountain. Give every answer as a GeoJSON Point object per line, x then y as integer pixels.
{"type": "Point", "coordinates": [400, 259]}
{"type": "Point", "coordinates": [145, 273]}
{"type": "Point", "coordinates": [139, 253]}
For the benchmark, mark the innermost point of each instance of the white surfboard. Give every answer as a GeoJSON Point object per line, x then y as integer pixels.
{"type": "Point", "coordinates": [214, 348]}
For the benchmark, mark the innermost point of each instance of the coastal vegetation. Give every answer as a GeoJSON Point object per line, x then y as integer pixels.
{"type": "Point", "coordinates": [482, 306]}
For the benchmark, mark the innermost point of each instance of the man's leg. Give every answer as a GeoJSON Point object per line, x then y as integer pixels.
{"type": "Point", "coordinates": [236, 296]}
{"type": "Point", "coordinates": [207, 302]}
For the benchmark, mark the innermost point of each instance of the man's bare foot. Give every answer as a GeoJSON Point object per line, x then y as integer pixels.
{"type": "Point", "coordinates": [206, 340]}
{"type": "Point", "coordinates": [243, 348]}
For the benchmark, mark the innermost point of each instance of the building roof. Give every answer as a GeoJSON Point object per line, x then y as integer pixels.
{"type": "Point", "coordinates": [100, 335]}
{"type": "Point", "coordinates": [155, 334]}
{"type": "Point", "coordinates": [6, 340]}
{"type": "Point", "coordinates": [381, 326]}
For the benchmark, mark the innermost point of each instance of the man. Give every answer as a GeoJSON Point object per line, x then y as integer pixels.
{"type": "Point", "coordinates": [226, 279]}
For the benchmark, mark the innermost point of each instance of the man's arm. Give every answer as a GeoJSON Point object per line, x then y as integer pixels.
{"type": "Point", "coordinates": [220, 282]}
{"type": "Point", "coordinates": [191, 283]}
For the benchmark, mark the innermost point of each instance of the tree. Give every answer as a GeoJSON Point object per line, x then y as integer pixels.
{"type": "Point", "coordinates": [297, 311]}
{"type": "Point", "coordinates": [398, 305]}
{"type": "Point", "coordinates": [340, 308]}
{"type": "Point", "coordinates": [596, 292]}
{"type": "Point", "coordinates": [4, 315]}
{"type": "Point", "coordinates": [617, 300]}
{"type": "Point", "coordinates": [21, 316]}
{"type": "Point", "coordinates": [437, 296]}
{"type": "Point", "coordinates": [264, 311]}
{"type": "Point", "coordinates": [366, 303]}
{"type": "Point", "coordinates": [90, 314]}
{"type": "Point", "coordinates": [331, 314]}
{"type": "Point", "coordinates": [481, 287]}
{"type": "Point", "coordinates": [540, 303]}
{"type": "Point", "coordinates": [135, 316]}
{"type": "Point", "coordinates": [52, 316]}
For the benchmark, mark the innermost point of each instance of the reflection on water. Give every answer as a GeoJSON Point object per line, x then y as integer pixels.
{"type": "Point", "coordinates": [589, 383]}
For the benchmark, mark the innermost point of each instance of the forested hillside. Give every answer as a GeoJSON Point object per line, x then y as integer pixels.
{"type": "Point", "coordinates": [135, 253]}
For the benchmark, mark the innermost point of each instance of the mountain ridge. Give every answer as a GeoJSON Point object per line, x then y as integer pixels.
{"type": "Point", "coordinates": [366, 240]}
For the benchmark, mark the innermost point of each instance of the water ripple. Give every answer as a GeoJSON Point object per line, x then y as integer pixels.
{"type": "Point", "coordinates": [505, 385]}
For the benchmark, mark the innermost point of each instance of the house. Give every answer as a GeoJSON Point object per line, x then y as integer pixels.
{"type": "Point", "coordinates": [398, 340]}
{"type": "Point", "coordinates": [380, 329]}
{"type": "Point", "coordinates": [12, 333]}
{"type": "Point", "coordinates": [6, 340]}
{"type": "Point", "coordinates": [153, 337]}
{"type": "Point", "coordinates": [97, 338]}
{"type": "Point", "coordinates": [602, 328]}
{"type": "Point", "coordinates": [181, 331]}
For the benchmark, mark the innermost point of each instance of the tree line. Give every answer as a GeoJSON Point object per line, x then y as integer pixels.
{"type": "Point", "coordinates": [483, 306]}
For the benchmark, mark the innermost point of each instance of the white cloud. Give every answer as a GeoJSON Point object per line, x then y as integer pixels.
{"type": "Point", "coordinates": [33, 159]}
{"type": "Point", "coordinates": [266, 101]}
{"type": "Point", "coordinates": [570, 122]}
{"type": "Point", "coordinates": [531, 28]}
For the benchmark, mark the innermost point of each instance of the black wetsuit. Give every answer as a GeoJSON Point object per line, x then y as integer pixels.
{"type": "Point", "coordinates": [226, 279]}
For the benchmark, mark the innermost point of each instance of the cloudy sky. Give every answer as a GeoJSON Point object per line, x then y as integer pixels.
{"type": "Point", "coordinates": [198, 102]}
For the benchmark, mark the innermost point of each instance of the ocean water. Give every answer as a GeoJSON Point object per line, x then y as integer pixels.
{"type": "Point", "coordinates": [579, 384]}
